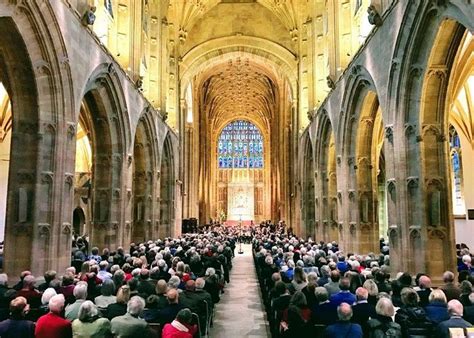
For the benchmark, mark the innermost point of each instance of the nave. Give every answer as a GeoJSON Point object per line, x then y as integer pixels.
{"type": "Point", "coordinates": [241, 313]}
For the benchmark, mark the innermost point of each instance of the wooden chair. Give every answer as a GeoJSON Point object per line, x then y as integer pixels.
{"type": "Point", "coordinates": [155, 330]}
{"type": "Point", "coordinates": [319, 330]}
{"type": "Point", "coordinates": [198, 322]}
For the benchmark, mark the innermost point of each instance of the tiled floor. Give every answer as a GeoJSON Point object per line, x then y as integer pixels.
{"type": "Point", "coordinates": [240, 313]}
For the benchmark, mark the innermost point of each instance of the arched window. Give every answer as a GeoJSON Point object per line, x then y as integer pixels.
{"type": "Point", "coordinates": [456, 172]}
{"type": "Point", "coordinates": [240, 146]}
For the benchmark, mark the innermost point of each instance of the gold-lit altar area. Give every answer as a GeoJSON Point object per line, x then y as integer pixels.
{"type": "Point", "coordinates": [240, 193]}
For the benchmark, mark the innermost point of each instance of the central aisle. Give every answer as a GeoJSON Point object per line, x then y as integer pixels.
{"type": "Point", "coordinates": [240, 313]}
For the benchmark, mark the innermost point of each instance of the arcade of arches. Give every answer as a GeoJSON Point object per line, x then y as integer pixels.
{"type": "Point", "coordinates": [350, 120]}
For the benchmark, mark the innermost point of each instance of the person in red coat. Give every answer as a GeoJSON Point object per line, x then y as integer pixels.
{"type": "Point", "coordinates": [181, 327]}
{"type": "Point", "coordinates": [53, 325]}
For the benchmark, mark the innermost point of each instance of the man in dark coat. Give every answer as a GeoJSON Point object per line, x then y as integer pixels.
{"type": "Point", "coordinates": [362, 310]}
{"type": "Point", "coordinates": [343, 327]}
{"type": "Point", "coordinates": [455, 310]}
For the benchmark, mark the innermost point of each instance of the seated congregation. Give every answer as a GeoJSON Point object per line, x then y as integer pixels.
{"type": "Point", "coordinates": [164, 288]}
{"type": "Point", "coordinates": [313, 289]}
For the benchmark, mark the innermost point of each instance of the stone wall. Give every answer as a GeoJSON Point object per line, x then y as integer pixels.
{"type": "Point", "coordinates": [54, 68]}
{"type": "Point", "coordinates": [390, 87]}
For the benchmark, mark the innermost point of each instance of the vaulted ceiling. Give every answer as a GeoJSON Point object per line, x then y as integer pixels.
{"type": "Point", "coordinates": [185, 13]}
{"type": "Point", "coordinates": [238, 88]}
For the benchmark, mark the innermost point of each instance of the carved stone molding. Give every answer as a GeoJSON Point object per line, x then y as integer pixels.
{"type": "Point", "coordinates": [409, 129]}
{"type": "Point", "coordinates": [436, 233]}
{"type": "Point", "coordinates": [352, 228]}
{"type": "Point", "coordinates": [389, 133]}
{"type": "Point", "coordinates": [44, 229]}
{"type": "Point", "coordinates": [412, 182]}
{"type": "Point", "coordinates": [434, 181]}
{"type": "Point", "coordinates": [66, 228]}
{"type": "Point", "coordinates": [71, 130]}
{"type": "Point", "coordinates": [416, 70]}
{"type": "Point", "coordinates": [47, 177]}
{"type": "Point", "coordinates": [69, 180]}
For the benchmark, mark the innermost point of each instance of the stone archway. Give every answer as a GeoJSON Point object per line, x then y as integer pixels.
{"type": "Point", "coordinates": [5, 147]}
{"type": "Point", "coordinates": [100, 117]}
{"type": "Point", "coordinates": [327, 201]}
{"type": "Point", "coordinates": [434, 128]}
{"type": "Point", "coordinates": [370, 137]}
{"type": "Point", "coordinates": [143, 183]}
{"type": "Point", "coordinates": [78, 221]}
{"type": "Point", "coordinates": [167, 185]}
{"type": "Point", "coordinates": [308, 192]}
{"type": "Point", "coordinates": [18, 79]}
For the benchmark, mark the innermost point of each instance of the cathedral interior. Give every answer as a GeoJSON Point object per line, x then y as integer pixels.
{"type": "Point", "coordinates": [350, 120]}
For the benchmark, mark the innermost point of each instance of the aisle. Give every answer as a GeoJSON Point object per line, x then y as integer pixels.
{"type": "Point", "coordinates": [240, 313]}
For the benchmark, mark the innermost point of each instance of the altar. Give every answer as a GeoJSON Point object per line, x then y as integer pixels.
{"type": "Point", "coordinates": [240, 202]}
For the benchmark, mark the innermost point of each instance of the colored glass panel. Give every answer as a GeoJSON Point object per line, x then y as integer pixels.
{"type": "Point", "coordinates": [240, 145]}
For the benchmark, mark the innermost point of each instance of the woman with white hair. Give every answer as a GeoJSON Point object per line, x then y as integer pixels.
{"type": "Point", "coordinates": [382, 325]}
{"type": "Point", "coordinates": [44, 309]}
{"type": "Point", "coordinates": [53, 324]}
{"type": "Point", "coordinates": [212, 284]}
{"type": "Point", "coordinates": [89, 324]}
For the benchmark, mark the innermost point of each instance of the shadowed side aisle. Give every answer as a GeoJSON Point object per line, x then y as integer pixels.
{"type": "Point", "coordinates": [241, 313]}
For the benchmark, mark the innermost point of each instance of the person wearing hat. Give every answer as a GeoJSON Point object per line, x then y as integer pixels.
{"type": "Point", "coordinates": [181, 327]}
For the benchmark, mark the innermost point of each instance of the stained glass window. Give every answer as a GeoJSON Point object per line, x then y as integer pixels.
{"type": "Point", "coordinates": [456, 172]}
{"type": "Point", "coordinates": [240, 146]}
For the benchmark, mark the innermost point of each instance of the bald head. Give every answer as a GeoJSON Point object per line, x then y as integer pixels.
{"type": "Point", "coordinates": [455, 308]}
{"type": "Point", "coordinates": [362, 293]}
{"type": "Point", "coordinates": [425, 282]}
{"type": "Point", "coordinates": [344, 312]}
{"type": "Point", "coordinates": [190, 285]}
{"type": "Point", "coordinates": [172, 296]}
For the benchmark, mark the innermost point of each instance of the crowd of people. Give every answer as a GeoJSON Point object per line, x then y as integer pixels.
{"type": "Point", "coordinates": [314, 289]}
{"type": "Point", "coordinates": [165, 288]}
{"type": "Point", "coordinates": [169, 288]}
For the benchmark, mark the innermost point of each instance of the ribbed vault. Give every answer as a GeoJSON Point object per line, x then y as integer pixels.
{"type": "Point", "coordinates": [238, 88]}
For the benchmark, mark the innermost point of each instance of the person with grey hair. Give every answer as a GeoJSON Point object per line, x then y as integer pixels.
{"type": "Point", "coordinates": [455, 310]}
{"type": "Point", "coordinates": [450, 289]}
{"type": "Point", "coordinates": [382, 324]}
{"type": "Point", "coordinates": [17, 325]}
{"type": "Point", "coordinates": [343, 327]}
{"type": "Point", "coordinates": [103, 274]}
{"type": "Point", "coordinates": [107, 296]}
{"type": "Point", "coordinates": [212, 284]}
{"type": "Point", "coordinates": [322, 311]}
{"type": "Point", "coordinates": [53, 324]}
{"type": "Point", "coordinates": [80, 293]}
{"type": "Point", "coordinates": [325, 273]}
{"type": "Point", "coordinates": [89, 323]}
{"type": "Point", "coordinates": [309, 289]}
{"type": "Point", "coordinates": [44, 308]}
{"type": "Point", "coordinates": [29, 291]}
{"type": "Point", "coordinates": [411, 317]}
{"type": "Point", "coordinates": [203, 295]}
{"type": "Point", "coordinates": [130, 324]}
{"type": "Point", "coordinates": [174, 282]}
{"type": "Point", "coordinates": [362, 309]}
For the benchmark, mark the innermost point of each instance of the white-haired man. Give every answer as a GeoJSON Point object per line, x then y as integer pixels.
{"type": "Point", "coordinates": [53, 324]}
{"type": "Point", "coordinates": [130, 324]}
{"type": "Point", "coordinates": [455, 310]}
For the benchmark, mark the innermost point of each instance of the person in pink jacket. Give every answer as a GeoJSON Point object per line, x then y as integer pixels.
{"type": "Point", "coordinates": [181, 327]}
